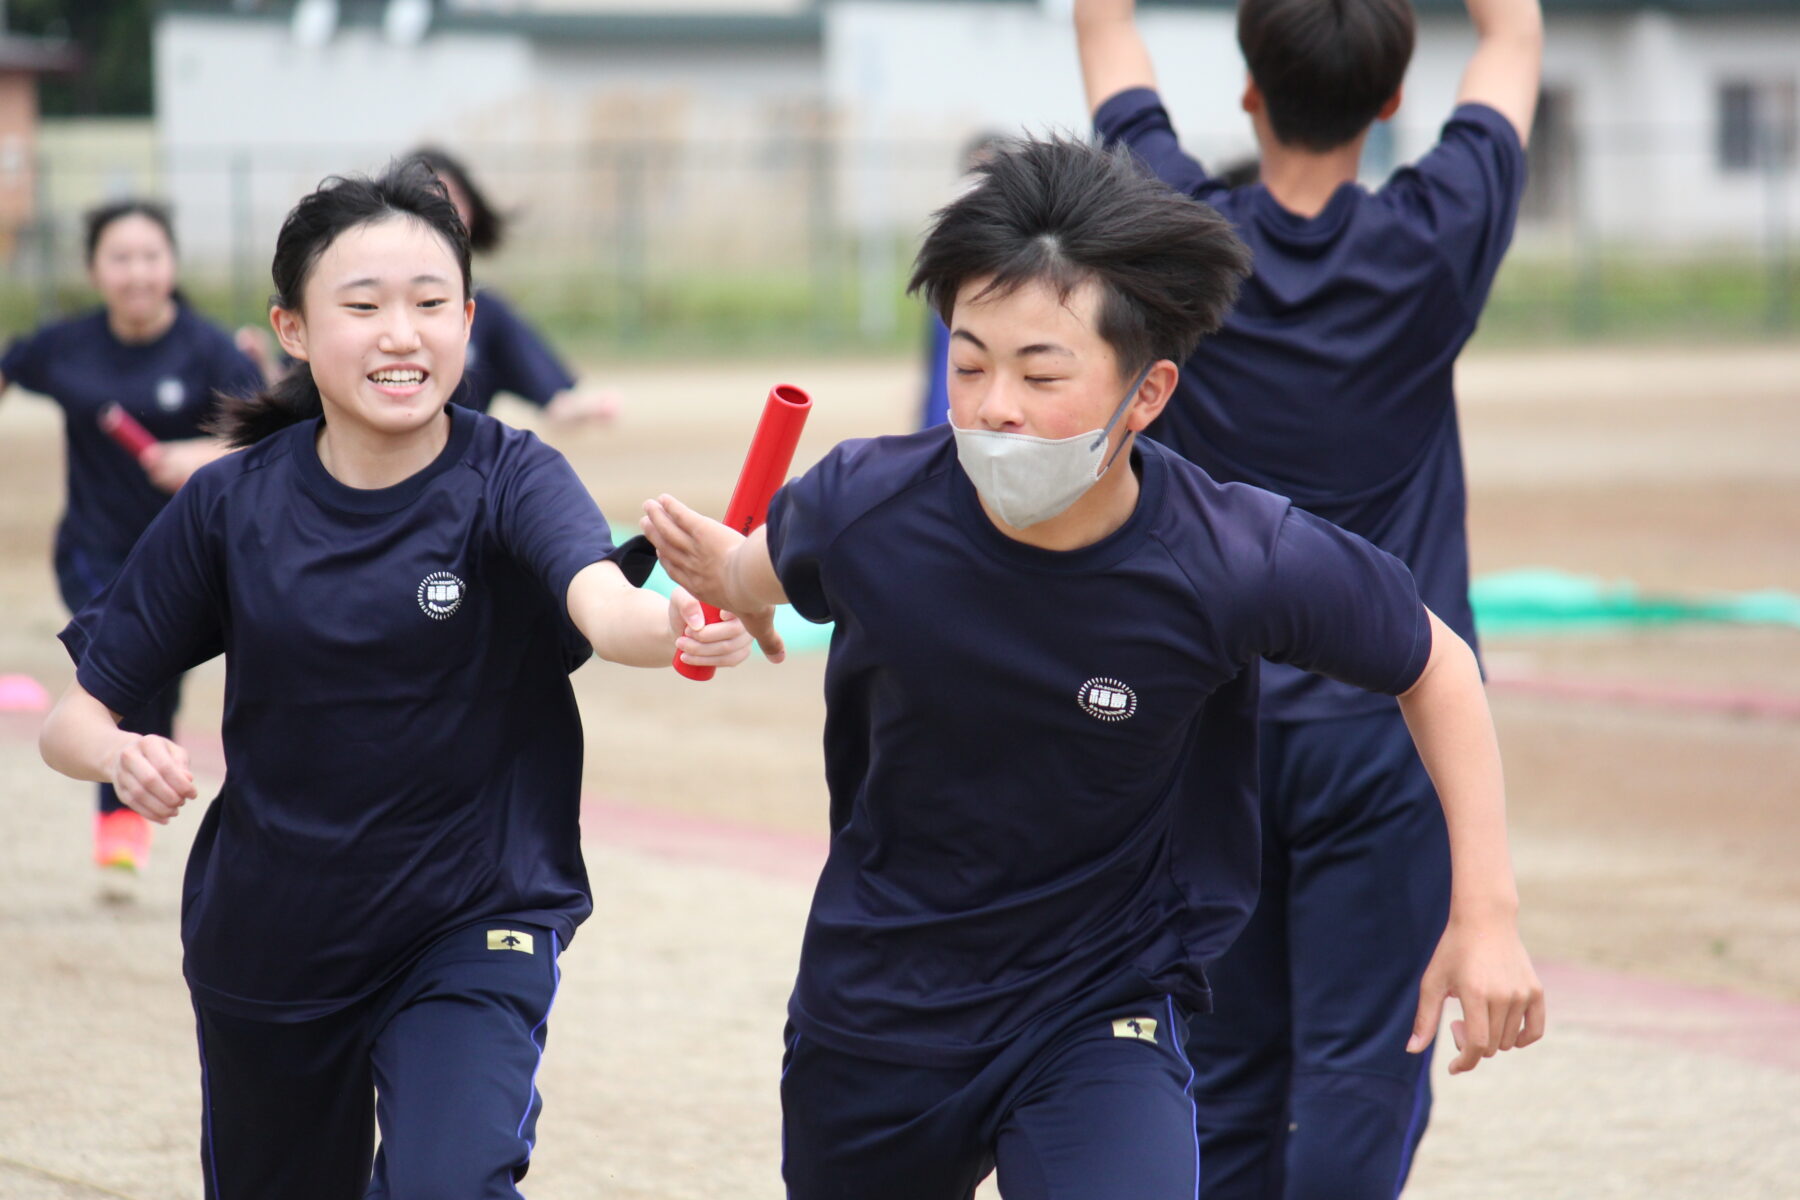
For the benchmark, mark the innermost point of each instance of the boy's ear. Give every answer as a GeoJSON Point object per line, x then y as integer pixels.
{"type": "Point", "coordinates": [1152, 396]}
{"type": "Point", "coordinates": [289, 331]}
{"type": "Point", "coordinates": [1392, 106]}
{"type": "Point", "coordinates": [1252, 100]}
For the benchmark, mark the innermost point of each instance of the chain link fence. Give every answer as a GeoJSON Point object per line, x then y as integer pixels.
{"type": "Point", "coordinates": [802, 243]}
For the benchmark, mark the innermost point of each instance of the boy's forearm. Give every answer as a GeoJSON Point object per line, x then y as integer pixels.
{"type": "Point", "coordinates": [1113, 55]}
{"type": "Point", "coordinates": [1507, 68]}
{"type": "Point", "coordinates": [1507, 19]}
{"type": "Point", "coordinates": [1089, 11]}
{"type": "Point", "coordinates": [1447, 712]}
{"type": "Point", "coordinates": [751, 583]}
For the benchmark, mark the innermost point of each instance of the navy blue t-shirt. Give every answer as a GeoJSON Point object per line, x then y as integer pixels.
{"type": "Point", "coordinates": [403, 751]}
{"type": "Point", "coordinates": [1008, 730]}
{"type": "Point", "coordinates": [506, 355]}
{"type": "Point", "coordinates": [1331, 381]}
{"type": "Point", "coordinates": [169, 385]}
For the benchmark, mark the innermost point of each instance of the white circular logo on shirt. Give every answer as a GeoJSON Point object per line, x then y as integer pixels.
{"type": "Point", "coordinates": [1106, 699]}
{"type": "Point", "coordinates": [170, 395]}
{"type": "Point", "coordinates": [440, 594]}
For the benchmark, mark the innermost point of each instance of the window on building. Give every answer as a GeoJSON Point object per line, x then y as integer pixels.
{"type": "Point", "coordinates": [1759, 125]}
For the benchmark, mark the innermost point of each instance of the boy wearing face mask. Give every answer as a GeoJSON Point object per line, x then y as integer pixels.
{"type": "Point", "coordinates": [1041, 741]}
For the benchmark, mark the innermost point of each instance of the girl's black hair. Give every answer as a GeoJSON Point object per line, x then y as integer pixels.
{"type": "Point", "coordinates": [97, 220]}
{"type": "Point", "coordinates": [486, 225]}
{"type": "Point", "coordinates": [341, 203]}
{"type": "Point", "coordinates": [1063, 213]}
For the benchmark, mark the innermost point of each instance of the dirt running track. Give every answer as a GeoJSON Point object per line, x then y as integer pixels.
{"type": "Point", "coordinates": [1656, 846]}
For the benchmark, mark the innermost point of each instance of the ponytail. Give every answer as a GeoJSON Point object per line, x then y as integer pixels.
{"type": "Point", "coordinates": [246, 420]}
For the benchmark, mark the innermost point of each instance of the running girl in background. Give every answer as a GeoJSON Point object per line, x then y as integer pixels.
{"type": "Point", "coordinates": [505, 354]}
{"type": "Point", "coordinates": [375, 905]}
{"type": "Point", "coordinates": [145, 350]}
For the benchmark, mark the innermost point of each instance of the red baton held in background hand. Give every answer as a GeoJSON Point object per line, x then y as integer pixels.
{"type": "Point", "coordinates": [765, 470]}
{"type": "Point", "coordinates": [124, 429]}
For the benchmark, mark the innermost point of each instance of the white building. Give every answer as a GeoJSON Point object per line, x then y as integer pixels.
{"type": "Point", "coordinates": [741, 121]}
{"type": "Point", "coordinates": [1661, 123]}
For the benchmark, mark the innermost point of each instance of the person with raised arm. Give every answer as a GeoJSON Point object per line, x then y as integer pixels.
{"type": "Point", "coordinates": [1330, 383]}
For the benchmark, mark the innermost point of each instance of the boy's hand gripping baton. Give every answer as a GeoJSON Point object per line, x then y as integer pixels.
{"type": "Point", "coordinates": [765, 470]}
{"type": "Point", "coordinates": [124, 429]}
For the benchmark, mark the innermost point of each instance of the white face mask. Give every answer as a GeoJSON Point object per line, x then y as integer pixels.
{"type": "Point", "coordinates": [1027, 480]}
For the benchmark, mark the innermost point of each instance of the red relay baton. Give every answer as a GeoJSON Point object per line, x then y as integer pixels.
{"type": "Point", "coordinates": [765, 470]}
{"type": "Point", "coordinates": [124, 429]}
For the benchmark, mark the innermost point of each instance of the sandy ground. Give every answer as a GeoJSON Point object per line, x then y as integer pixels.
{"type": "Point", "coordinates": [1655, 847]}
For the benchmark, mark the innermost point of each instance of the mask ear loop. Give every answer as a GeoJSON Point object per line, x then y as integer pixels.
{"type": "Point", "coordinates": [1118, 414]}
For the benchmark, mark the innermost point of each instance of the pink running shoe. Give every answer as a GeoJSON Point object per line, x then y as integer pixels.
{"type": "Point", "coordinates": [121, 840]}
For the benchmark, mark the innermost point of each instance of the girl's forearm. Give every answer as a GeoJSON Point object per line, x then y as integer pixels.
{"type": "Point", "coordinates": [635, 631]}
{"type": "Point", "coordinates": [81, 738]}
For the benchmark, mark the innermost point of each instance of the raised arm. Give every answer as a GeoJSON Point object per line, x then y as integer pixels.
{"type": "Point", "coordinates": [1113, 55]}
{"type": "Point", "coordinates": [1508, 63]}
{"type": "Point", "coordinates": [1480, 959]}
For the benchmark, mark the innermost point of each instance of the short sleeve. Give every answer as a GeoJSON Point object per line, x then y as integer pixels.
{"type": "Point", "coordinates": [515, 359]}
{"type": "Point", "coordinates": [1334, 604]}
{"type": "Point", "coordinates": [805, 517]}
{"type": "Point", "coordinates": [163, 614]}
{"type": "Point", "coordinates": [1136, 118]}
{"type": "Point", "coordinates": [550, 525]}
{"type": "Point", "coordinates": [23, 361]}
{"type": "Point", "coordinates": [1465, 195]}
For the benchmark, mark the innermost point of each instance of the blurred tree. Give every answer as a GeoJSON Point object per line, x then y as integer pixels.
{"type": "Point", "coordinates": [114, 37]}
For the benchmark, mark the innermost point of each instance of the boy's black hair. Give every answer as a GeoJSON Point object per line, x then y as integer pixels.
{"type": "Point", "coordinates": [486, 224]}
{"type": "Point", "coordinates": [97, 220]}
{"type": "Point", "coordinates": [341, 203]}
{"type": "Point", "coordinates": [1325, 67]}
{"type": "Point", "coordinates": [1065, 212]}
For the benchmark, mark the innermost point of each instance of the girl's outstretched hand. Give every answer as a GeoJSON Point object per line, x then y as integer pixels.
{"type": "Point", "coordinates": [724, 643]}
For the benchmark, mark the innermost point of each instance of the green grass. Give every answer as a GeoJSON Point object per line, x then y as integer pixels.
{"type": "Point", "coordinates": [1620, 298]}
